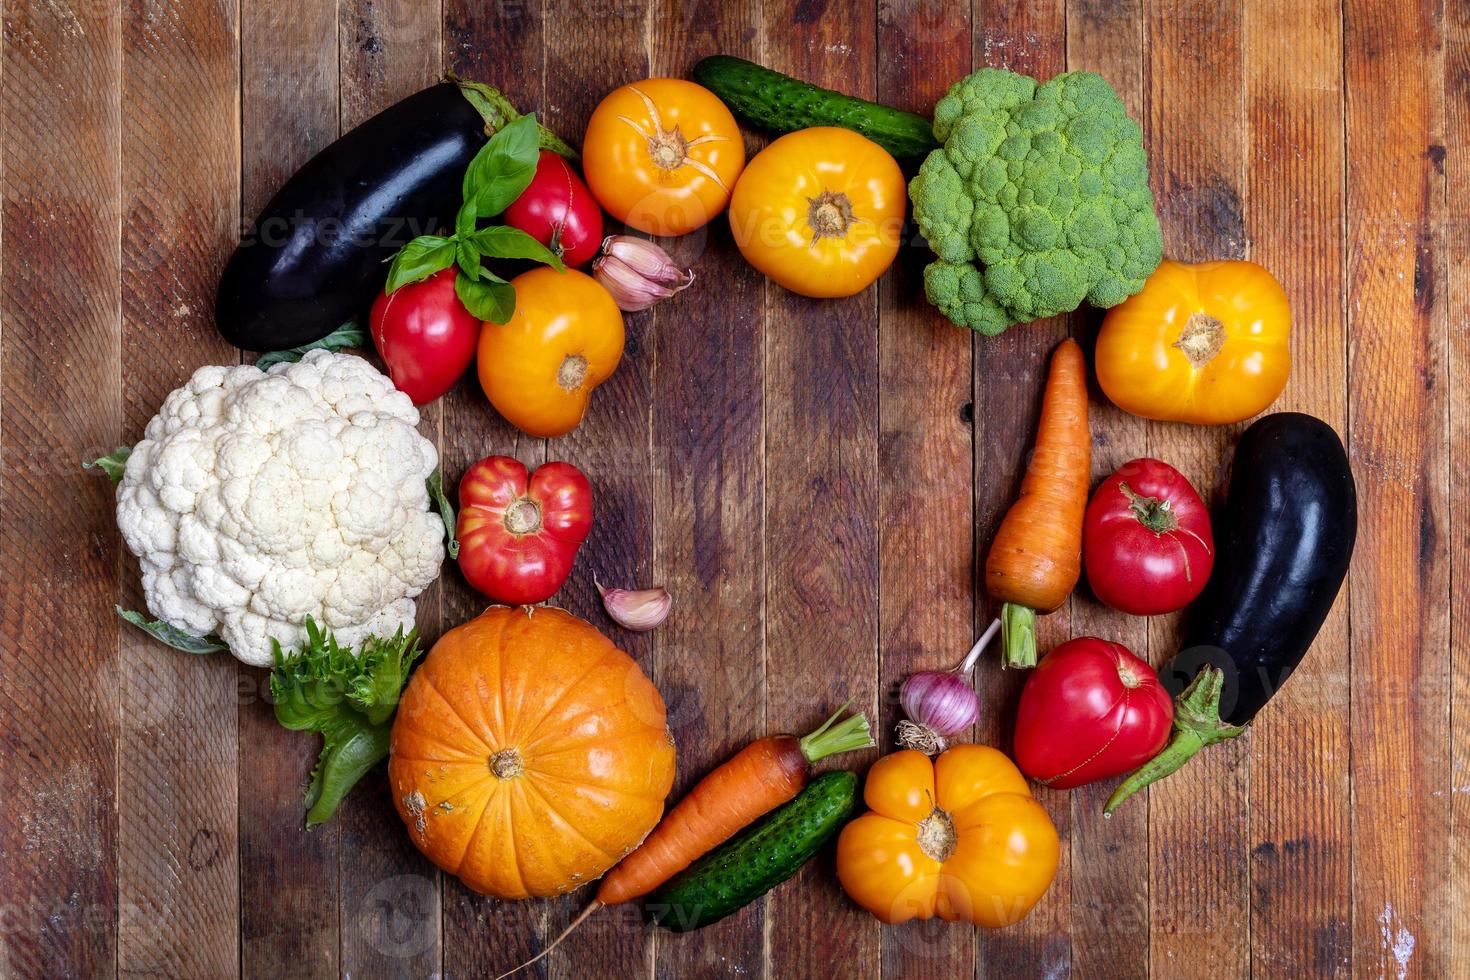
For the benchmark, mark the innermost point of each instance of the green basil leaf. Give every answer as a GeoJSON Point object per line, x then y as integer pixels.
{"type": "Point", "coordinates": [112, 464]}
{"type": "Point", "coordinates": [418, 260]}
{"type": "Point", "coordinates": [488, 299]}
{"type": "Point", "coordinates": [504, 242]}
{"type": "Point", "coordinates": [467, 255]}
{"type": "Point", "coordinates": [464, 222]}
{"type": "Point", "coordinates": [172, 635]}
{"type": "Point", "coordinates": [503, 168]}
{"type": "Point", "coordinates": [446, 511]}
{"type": "Point", "coordinates": [346, 336]}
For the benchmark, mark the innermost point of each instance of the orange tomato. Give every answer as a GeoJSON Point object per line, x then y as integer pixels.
{"type": "Point", "coordinates": [820, 211]}
{"type": "Point", "coordinates": [959, 837]}
{"type": "Point", "coordinates": [564, 339]}
{"type": "Point", "coordinates": [662, 155]}
{"type": "Point", "coordinates": [1203, 343]}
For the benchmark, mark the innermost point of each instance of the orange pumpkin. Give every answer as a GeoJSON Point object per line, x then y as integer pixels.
{"type": "Point", "coordinates": [529, 754]}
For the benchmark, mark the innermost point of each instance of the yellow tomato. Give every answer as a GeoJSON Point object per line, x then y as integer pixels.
{"type": "Point", "coordinates": [662, 155]}
{"type": "Point", "coordinates": [820, 211]}
{"type": "Point", "coordinates": [959, 837]}
{"type": "Point", "coordinates": [1203, 343]}
{"type": "Point", "coordinates": [564, 339]}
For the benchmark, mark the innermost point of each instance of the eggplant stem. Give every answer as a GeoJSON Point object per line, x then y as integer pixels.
{"type": "Point", "coordinates": [1197, 724]}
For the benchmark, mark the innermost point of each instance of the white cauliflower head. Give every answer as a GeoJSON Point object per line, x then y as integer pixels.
{"type": "Point", "coordinates": [258, 499]}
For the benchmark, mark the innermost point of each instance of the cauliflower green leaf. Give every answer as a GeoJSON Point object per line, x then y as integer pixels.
{"type": "Point", "coordinates": [347, 696]}
{"type": "Point", "coordinates": [1037, 201]}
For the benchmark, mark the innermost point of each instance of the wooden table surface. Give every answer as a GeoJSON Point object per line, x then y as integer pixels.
{"type": "Point", "coordinates": [812, 480]}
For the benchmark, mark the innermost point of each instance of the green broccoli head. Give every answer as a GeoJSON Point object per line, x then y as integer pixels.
{"type": "Point", "coordinates": [1038, 200]}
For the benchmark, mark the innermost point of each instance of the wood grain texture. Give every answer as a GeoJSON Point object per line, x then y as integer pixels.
{"type": "Point", "coordinates": [389, 895]}
{"type": "Point", "coordinates": [1110, 857]}
{"type": "Point", "coordinates": [1010, 372]}
{"type": "Point", "coordinates": [1300, 863]}
{"type": "Point", "coordinates": [1456, 242]}
{"type": "Point", "coordinates": [822, 506]}
{"type": "Point", "coordinates": [288, 878]}
{"type": "Point", "coordinates": [178, 873]}
{"type": "Point", "coordinates": [926, 424]}
{"type": "Point", "coordinates": [59, 551]}
{"type": "Point", "coordinates": [1397, 441]}
{"type": "Point", "coordinates": [707, 346]}
{"type": "Point", "coordinates": [1195, 132]}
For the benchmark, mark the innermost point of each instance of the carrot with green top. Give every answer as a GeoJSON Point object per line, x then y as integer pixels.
{"type": "Point", "coordinates": [764, 775]}
{"type": "Point", "coordinates": [1036, 557]}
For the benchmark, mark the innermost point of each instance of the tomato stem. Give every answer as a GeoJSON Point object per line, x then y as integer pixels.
{"type": "Point", "coordinates": [1155, 514]}
{"type": "Point", "coordinates": [1018, 635]}
{"type": "Point", "coordinates": [1196, 724]}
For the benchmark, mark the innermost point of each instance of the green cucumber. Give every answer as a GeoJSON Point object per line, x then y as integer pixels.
{"type": "Point", "coordinates": [758, 859]}
{"type": "Point", "coordinates": [778, 103]}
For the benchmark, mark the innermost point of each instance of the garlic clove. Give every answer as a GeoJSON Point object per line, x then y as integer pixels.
{"type": "Point", "coordinates": [646, 259]}
{"type": "Point", "coordinates": [629, 290]}
{"type": "Point", "coordinates": [639, 610]}
{"type": "Point", "coordinates": [638, 273]}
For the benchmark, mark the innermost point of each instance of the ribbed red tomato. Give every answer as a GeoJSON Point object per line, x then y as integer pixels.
{"type": "Point", "coordinates": [1146, 540]}
{"type": "Point", "coordinates": [558, 210]}
{"type": "Point", "coordinates": [425, 336]}
{"type": "Point", "coordinates": [1090, 710]}
{"type": "Point", "coordinates": [519, 533]}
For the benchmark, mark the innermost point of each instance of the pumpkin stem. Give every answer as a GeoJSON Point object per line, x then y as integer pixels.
{"type": "Point", "coordinates": [586, 913]}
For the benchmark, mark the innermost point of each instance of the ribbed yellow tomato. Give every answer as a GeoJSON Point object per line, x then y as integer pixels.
{"type": "Point", "coordinates": [1203, 343]}
{"type": "Point", "coordinates": [959, 837]}
{"type": "Point", "coordinates": [820, 211]}
{"type": "Point", "coordinates": [662, 155]}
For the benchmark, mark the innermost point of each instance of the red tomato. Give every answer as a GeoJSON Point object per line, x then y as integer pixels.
{"type": "Point", "coordinates": [425, 336]}
{"type": "Point", "coordinates": [558, 210]}
{"type": "Point", "coordinates": [1089, 711]}
{"type": "Point", "coordinates": [1146, 540]}
{"type": "Point", "coordinates": [519, 533]}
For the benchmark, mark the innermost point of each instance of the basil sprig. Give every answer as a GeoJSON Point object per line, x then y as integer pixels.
{"type": "Point", "coordinates": [497, 175]}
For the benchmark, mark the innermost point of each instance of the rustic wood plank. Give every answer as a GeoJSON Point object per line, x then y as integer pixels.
{"type": "Point", "coordinates": [708, 502]}
{"type": "Point", "coordinates": [288, 877]}
{"type": "Point", "coordinates": [1300, 800]}
{"type": "Point", "coordinates": [1197, 818]}
{"type": "Point", "coordinates": [925, 453]}
{"type": "Point", "coordinates": [1455, 147]}
{"type": "Point", "coordinates": [59, 554]}
{"type": "Point", "coordinates": [590, 51]}
{"type": "Point", "coordinates": [389, 893]}
{"type": "Point", "coordinates": [1110, 858]}
{"type": "Point", "coordinates": [178, 876]}
{"type": "Point", "coordinates": [1010, 373]}
{"type": "Point", "coordinates": [1401, 919]}
{"type": "Point", "coordinates": [500, 44]}
{"type": "Point", "coordinates": [822, 508]}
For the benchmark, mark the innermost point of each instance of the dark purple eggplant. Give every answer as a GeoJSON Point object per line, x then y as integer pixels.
{"type": "Point", "coordinates": [1283, 547]}
{"type": "Point", "coordinates": [315, 257]}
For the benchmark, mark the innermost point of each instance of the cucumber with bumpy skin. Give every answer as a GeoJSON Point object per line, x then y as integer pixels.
{"type": "Point", "coordinates": [778, 103]}
{"type": "Point", "coordinates": [758, 859]}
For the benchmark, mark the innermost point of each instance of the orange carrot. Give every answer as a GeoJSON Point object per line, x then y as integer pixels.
{"type": "Point", "coordinates": [767, 773]}
{"type": "Point", "coordinates": [1036, 557]}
